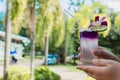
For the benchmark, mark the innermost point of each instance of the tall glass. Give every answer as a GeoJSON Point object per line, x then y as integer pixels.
{"type": "Point", "coordinates": [88, 42]}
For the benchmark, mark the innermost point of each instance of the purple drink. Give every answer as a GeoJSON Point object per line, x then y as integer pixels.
{"type": "Point", "coordinates": [88, 42]}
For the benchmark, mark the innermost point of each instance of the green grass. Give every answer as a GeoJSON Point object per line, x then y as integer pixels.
{"type": "Point", "coordinates": [36, 56]}
{"type": "Point", "coordinates": [72, 68]}
{"type": "Point", "coordinates": [39, 56]}
{"type": "Point", "coordinates": [1, 60]}
{"type": "Point", "coordinates": [69, 66]}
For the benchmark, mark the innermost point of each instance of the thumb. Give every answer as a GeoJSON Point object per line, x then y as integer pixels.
{"type": "Point", "coordinates": [105, 54]}
{"type": "Point", "coordinates": [101, 62]}
{"type": "Point", "coordinates": [102, 53]}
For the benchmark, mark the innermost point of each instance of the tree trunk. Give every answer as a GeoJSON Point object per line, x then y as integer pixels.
{"type": "Point", "coordinates": [7, 39]}
{"type": "Point", "coordinates": [66, 41]}
{"type": "Point", "coordinates": [32, 26]}
{"type": "Point", "coordinates": [66, 49]}
{"type": "Point", "coordinates": [46, 49]}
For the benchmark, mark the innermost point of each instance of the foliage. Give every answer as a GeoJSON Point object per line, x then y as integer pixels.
{"type": "Point", "coordinates": [43, 73]}
{"type": "Point", "coordinates": [22, 73]}
{"type": "Point", "coordinates": [117, 22]}
{"type": "Point", "coordinates": [18, 14]}
{"type": "Point", "coordinates": [86, 13]}
{"type": "Point", "coordinates": [49, 22]}
{"type": "Point", "coordinates": [23, 32]}
{"type": "Point", "coordinates": [1, 78]}
{"type": "Point", "coordinates": [18, 73]}
{"type": "Point", "coordinates": [112, 40]}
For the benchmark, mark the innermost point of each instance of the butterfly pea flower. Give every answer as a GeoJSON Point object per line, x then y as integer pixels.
{"type": "Point", "coordinates": [98, 24]}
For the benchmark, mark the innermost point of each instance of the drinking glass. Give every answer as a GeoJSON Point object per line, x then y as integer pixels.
{"type": "Point", "coordinates": [88, 43]}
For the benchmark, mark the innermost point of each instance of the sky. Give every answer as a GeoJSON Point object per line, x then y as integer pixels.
{"type": "Point", "coordinates": [114, 4]}
{"type": "Point", "coordinates": [2, 9]}
{"type": "Point", "coordinates": [2, 5]}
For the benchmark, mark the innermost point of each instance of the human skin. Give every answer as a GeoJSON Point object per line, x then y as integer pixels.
{"type": "Point", "coordinates": [103, 53]}
{"type": "Point", "coordinates": [103, 69]}
{"type": "Point", "coordinates": [106, 67]}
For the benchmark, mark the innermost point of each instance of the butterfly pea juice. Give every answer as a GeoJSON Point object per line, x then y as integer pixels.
{"type": "Point", "coordinates": [88, 43]}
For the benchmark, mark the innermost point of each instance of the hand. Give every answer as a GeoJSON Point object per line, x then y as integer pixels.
{"type": "Point", "coordinates": [103, 53]}
{"type": "Point", "coordinates": [103, 69]}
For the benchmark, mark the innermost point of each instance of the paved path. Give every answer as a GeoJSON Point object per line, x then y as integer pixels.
{"type": "Point", "coordinates": [67, 74]}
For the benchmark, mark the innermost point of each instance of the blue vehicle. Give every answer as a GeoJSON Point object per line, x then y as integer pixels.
{"type": "Point", "coordinates": [75, 56]}
{"type": "Point", "coordinates": [51, 59]}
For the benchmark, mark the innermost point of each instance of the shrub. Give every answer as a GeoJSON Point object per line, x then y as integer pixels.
{"type": "Point", "coordinates": [55, 76]}
{"type": "Point", "coordinates": [18, 73]}
{"type": "Point", "coordinates": [43, 73]}
{"type": "Point", "coordinates": [22, 73]}
{"type": "Point", "coordinates": [0, 78]}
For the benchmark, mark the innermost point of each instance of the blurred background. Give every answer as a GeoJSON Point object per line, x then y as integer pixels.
{"type": "Point", "coordinates": [54, 31]}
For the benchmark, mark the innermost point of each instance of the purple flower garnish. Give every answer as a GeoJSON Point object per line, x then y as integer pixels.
{"type": "Point", "coordinates": [99, 24]}
{"type": "Point", "coordinates": [97, 18]}
{"type": "Point", "coordinates": [104, 23]}
{"type": "Point", "coordinates": [91, 24]}
{"type": "Point", "coordinates": [102, 19]}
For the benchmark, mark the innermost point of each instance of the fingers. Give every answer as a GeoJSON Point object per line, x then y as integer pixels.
{"type": "Point", "coordinates": [98, 68]}
{"type": "Point", "coordinates": [105, 54]}
{"type": "Point", "coordinates": [89, 69]}
{"type": "Point", "coordinates": [92, 75]}
{"type": "Point", "coordinates": [79, 49]}
{"type": "Point", "coordinates": [99, 65]}
{"type": "Point", "coordinates": [101, 62]}
{"type": "Point", "coordinates": [100, 53]}
{"type": "Point", "coordinates": [79, 56]}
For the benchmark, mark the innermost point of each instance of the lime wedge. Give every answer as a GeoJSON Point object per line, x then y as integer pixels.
{"type": "Point", "coordinates": [98, 28]}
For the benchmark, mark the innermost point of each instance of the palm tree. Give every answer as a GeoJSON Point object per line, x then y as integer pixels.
{"type": "Point", "coordinates": [32, 28]}
{"type": "Point", "coordinates": [66, 40]}
{"type": "Point", "coordinates": [19, 20]}
{"type": "Point", "coordinates": [7, 39]}
{"type": "Point", "coordinates": [18, 14]}
{"type": "Point", "coordinates": [49, 20]}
